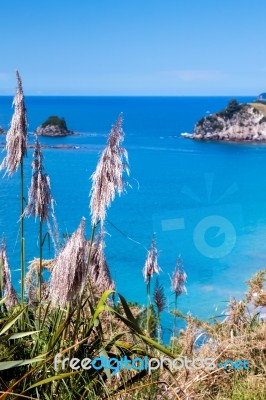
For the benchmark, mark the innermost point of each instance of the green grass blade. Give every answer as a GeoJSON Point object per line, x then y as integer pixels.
{"type": "Point", "coordinates": [12, 321]}
{"type": "Point", "coordinates": [156, 345]}
{"type": "Point", "coordinates": [17, 335]}
{"type": "Point", "coordinates": [19, 363]}
{"type": "Point", "coordinates": [53, 378]}
{"type": "Point", "coordinates": [128, 312]}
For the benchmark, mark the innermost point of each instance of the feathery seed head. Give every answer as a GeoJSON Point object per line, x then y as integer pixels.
{"type": "Point", "coordinates": [16, 137]}
{"type": "Point", "coordinates": [179, 278]}
{"type": "Point", "coordinates": [40, 202]}
{"type": "Point", "coordinates": [107, 180]}
{"type": "Point", "coordinates": [151, 265]}
{"type": "Point", "coordinates": [10, 294]}
{"type": "Point", "coordinates": [159, 296]}
{"type": "Point", "coordinates": [98, 269]}
{"type": "Point", "coordinates": [69, 272]}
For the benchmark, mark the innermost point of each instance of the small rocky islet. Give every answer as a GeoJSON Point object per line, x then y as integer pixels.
{"type": "Point", "coordinates": [237, 122]}
{"type": "Point", "coordinates": [52, 127]}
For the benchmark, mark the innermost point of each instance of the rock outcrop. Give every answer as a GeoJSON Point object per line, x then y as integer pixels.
{"type": "Point", "coordinates": [54, 126]}
{"type": "Point", "coordinates": [2, 132]}
{"type": "Point", "coordinates": [52, 130]}
{"type": "Point", "coordinates": [237, 122]}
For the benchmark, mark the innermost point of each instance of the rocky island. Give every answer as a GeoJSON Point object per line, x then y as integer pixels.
{"type": "Point", "coordinates": [54, 126]}
{"type": "Point", "coordinates": [237, 122]}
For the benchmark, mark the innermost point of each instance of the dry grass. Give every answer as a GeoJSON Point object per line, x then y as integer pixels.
{"type": "Point", "coordinates": [241, 336]}
{"type": "Point", "coordinates": [259, 106]}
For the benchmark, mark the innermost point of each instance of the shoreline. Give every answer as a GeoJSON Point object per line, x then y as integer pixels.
{"type": "Point", "coordinates": [237, 141]}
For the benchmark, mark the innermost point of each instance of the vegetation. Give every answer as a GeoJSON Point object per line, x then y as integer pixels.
{"type": "Point", "coordinates": [74, 314]}
{"type": "Point", "coordinates": [227, 113]}
{"type": "Point", "coordinates": [214, 123]}
{"type": "Point", "coordinates": [55, 121]}
{"type": "Point", "coordinates": [232, 108]}
{"type": "Point", "coordinates": [211, 123]}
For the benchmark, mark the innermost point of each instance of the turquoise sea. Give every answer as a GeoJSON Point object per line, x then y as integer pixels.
{"type": "Point", "coordinates": [205, 201]}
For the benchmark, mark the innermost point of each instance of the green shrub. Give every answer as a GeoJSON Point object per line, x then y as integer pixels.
{"type": "Point", "coordinates": [232, 108]}
{"type": "Point", "coordinates": [56, 121]}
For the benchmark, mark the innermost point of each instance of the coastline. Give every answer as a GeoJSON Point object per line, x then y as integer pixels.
{"type": "Point", "coordinates": [190, 136]}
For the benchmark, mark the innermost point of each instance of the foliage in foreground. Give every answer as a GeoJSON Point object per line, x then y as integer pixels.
{"type": "Point", "coordinates": [115, 331]}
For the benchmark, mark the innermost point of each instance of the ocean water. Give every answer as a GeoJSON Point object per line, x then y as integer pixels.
{"type": "Point", "coordinates": [205, 201]}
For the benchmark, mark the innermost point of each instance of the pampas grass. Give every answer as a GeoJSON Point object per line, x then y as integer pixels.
{"type": "Point", "coordinates": [99, 271]}
{"type": "Point", "coordinates": [16, 147]}
{"type": "Point", "coordinates": [179, 278]}
{"type": "Point", "coordinates": [178, 281]}
{"type": "Point", "coordinates": [69, 272]}
{"type": "Point", "coordinates": [150, 268]}
{"type": "Point", "coordinates": [107, 180]}
{"type": "Point", "coordinates": [40, 200]}
{"type": "Point", "coordinates": [160, 302]}
{"type": "Point", "coordinates": [10, 295]}
{"type": "Point", "coordinates": [16, 138]}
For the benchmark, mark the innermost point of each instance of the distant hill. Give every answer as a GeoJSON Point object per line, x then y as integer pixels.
{"type": "Point", "coordinates": [236, 122]}
{"type": "Point", "coordinates": [262, 97]}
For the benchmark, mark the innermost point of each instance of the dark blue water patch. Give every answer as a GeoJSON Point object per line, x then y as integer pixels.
{"type": "Point", "coordinates": [144, 116]}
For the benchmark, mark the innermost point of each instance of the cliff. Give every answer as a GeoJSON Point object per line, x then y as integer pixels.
{"type": "Point", "coordinates": [54, 126]}
{"type": "Point", "coordinates": [237, 122]}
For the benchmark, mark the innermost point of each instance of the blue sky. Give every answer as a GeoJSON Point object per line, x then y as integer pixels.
{"type": "Point", "coordinates": [140, 47]}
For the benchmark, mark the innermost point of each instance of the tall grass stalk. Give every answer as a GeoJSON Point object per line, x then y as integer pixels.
{"type": "Point", "coordinates": [22, 238]}
{"type": "Point", "coordinates": [7, 289]}
{"type": "Point", "coordinates": [40, 270]}
{"type": "Point", "coordinates": [178, 281]}
{"type": "Point", "coordinates": [150, 268]}
{"type": "Point", "coordinates": [40, 203]}
{"type": "Point", "coordinates": [69, 272]}
{"type": "Point", "coordinates": [107, 181]}
{"type": "Point", "coordinates": [160, 302]}
{"type": "Point", "coordinates": [16, 147]}
{"type": "Point", "coordinates": [93, 299]}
